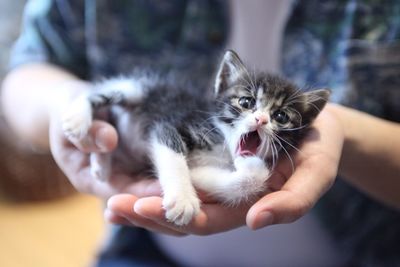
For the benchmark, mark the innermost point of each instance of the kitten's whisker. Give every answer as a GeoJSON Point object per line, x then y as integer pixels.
{"type": "Point", "coordinates": [308, 102]}
{"type": "Point", "coordinates": [286, 152]}
{"type": "Point", "coordinates": [298, 114]}
{"type": "Point", "coordinates": [254, 79]}
{"type": "Point", "coordinates": [275, 154]}
{"type": "Point", "coordinates": [244, 69]}
{"type": "Point", "coordinates": [264, 147]}
{"type": "Point", "coordinates": [296, 94]}
{"type": "Point", "coordinates": [286, 142]}
{"type": "Point", "coordinates": [214, 117]}
{"type": "Point", "coordinates": [250, 80]}
{"type": "Point", "coordinates": [294, 129]}
{"type": "Point", "coordinates": [247, 87]}
{"type": "Point", "coordinates": [224, 147]}
{"type": "Point", "coordinates": [229, 105]}
{"type": "Point", "coordinates": [205, 135]}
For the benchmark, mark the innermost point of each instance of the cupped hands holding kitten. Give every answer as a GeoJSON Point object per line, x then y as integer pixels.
{"type": "Point", "coordinates": [291, 193]}
{"type": "Point", "coordinates": [138, 202]}
{"type": "Point", "coordinates": [294, 187]}
{"type": "Point", "coordinates": [226, 146]}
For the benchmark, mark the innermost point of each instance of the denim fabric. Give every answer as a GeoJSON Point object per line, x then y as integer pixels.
{"type": "Point", "coordinates": [133, 247]}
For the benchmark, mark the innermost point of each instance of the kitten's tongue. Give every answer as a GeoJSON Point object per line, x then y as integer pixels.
{"type": "Point", "coordinates": [248, 144]}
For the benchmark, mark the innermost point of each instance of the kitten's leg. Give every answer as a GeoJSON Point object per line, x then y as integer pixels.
{"type": "Point", "coordinates": [179, 196]}
{"type": "Point", "coordinates": [232, 187]}
{"type": "Point", "coordinates": [79, 116]}
{"type": "Point", "coordinates": [78, 119]}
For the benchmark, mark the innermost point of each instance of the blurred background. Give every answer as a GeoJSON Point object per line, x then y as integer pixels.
{"type": "Point", "coordinates": [43, 221]}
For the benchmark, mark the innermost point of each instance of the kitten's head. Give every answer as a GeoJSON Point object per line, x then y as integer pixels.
{"type": "Point", "coordinates": [262, 114]}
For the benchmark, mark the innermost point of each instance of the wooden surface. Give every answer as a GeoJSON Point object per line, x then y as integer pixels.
{"type": "Point", "coordinates": [62, 233]}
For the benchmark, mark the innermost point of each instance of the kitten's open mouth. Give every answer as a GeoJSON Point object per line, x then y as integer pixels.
{"type": "Point", "coordinates": [248, 144]}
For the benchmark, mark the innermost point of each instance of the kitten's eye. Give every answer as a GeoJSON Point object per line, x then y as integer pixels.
{"type": "Point", "coordinates": [247, 102]}
{"type": "Point", "coordinates": [281, 117]}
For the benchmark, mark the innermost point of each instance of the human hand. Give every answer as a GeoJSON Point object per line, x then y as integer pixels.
{"type": "Point", "coordinates": [72, 156]}
{"type": "Point", "coordinates": [316, 166]}
{"type": "Point", "coordinates": [293, 193]}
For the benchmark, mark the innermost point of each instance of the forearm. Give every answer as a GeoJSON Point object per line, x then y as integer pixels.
{"type": "Point", "coordinates": [371, 154]}
{"type": "Point", "coordinates": [28, 97]}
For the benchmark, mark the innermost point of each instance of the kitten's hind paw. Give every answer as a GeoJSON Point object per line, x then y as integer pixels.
{"type": "Point", "coordinates": [77, 120]}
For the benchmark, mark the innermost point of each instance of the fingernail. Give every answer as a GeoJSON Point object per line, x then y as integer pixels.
{"type": "Point", "coordinates": [110, 202]}
{"type": "Point", "coordinates": [263, 219]}
{"type": "Point", "coordinates": [100, 139]}
{"type": "Point", "coordinates": [108, 214]}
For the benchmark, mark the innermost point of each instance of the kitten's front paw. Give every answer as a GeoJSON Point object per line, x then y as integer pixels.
{"type": "Point", "coordinates": [181, 208]}
{"type": "Point", "coordinates": [77, 119]}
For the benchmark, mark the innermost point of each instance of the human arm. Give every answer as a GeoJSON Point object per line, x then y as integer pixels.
{"type": "Point", "coordinates": [371, 154]}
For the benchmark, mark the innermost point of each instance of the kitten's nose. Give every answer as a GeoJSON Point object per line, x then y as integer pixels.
{"type": "Point", "coordinates": [261, 119]}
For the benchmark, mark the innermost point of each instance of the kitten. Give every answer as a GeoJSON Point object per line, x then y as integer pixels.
{"type": "Point", "coordinates": [221, 144]}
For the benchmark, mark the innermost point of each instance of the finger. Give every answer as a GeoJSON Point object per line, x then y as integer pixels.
{"type": "Point", "coordinates": [213, 218]}
{"type": "Point", "coordinates": [115, 219]}
{"type": "Point", "coordinates": [298, 195]}
{"type": "Point", "coordinates": [75, 165]}
{"type": "Point", "coordinates": [125, 184]}
{"type": "Point", "coordinates": [121, 208]}
{"type": "Point", "coordinates": [275, 208]}
{"type": "Point", "coordinates": [102, 137]}
{"type": "Point", "coordinates": [143, 187]}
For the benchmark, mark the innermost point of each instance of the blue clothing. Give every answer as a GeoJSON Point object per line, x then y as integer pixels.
{"type": "Point", "coordinates": [93, 39]}
{"type": "Point", "coordinates": [133, 247]}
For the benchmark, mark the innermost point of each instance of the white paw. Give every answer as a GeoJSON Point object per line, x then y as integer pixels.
{"type": "Point", "coordinates": [248, 180]}
{"type": "Point", "coordinates": [78, 119]}
{"type": "Point", "coordinates": [181, 207]}
{"type": "Point", "coordinates": [249, 164]}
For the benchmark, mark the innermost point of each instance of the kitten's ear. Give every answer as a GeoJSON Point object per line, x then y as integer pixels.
{"type": "Point", "coordinates": [230, 69]}
{"type": "Point", "coordinates": [315, 101]}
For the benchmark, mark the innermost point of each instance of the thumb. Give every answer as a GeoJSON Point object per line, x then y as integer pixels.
{"type": "Point", "coordinates": [276, 208]}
